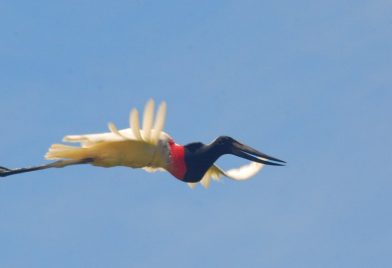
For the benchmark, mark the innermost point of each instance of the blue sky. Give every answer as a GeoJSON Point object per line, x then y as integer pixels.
{"type": "Point", "coordinates": [306, 81]}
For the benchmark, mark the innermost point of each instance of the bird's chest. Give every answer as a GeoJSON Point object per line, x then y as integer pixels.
{"type": "Point", "coordinates": [196, 168]}
{"type": "Point", "coordinates": [195, 171]}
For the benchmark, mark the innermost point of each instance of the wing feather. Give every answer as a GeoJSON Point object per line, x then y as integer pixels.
{"type": "Point", "coordinates": [242, 173]}
{"type": "Point", "coordinates": [148, 118]}
{"type": "Point", "coordinates": [147, 134]}
{"type": "Point", "coordinates": [159, 122]}
{"type": "Point", "coordinates": [192, 185]}
{"type": "Point", "coordinates": [112, 127]}
{"type": "Point", "coordinates": [134, 124]}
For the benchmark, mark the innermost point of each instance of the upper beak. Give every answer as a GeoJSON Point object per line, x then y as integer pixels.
{"type": "Point", "coordinates": [251, 154]}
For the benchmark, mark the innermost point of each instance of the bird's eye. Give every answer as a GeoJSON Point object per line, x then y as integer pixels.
{"type": "Point", "coordinates": [223, 140]}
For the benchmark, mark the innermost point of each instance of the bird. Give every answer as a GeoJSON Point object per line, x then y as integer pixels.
{"type": "Point", "coordinates": [148, 147]}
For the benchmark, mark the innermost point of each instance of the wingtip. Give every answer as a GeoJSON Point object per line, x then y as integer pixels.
{"type": "Point", "coordinates": [159, 122]}
{"type": "Point", "coordinates": [192, 185]}
{"type": "Point", "coordinates": [150, 100]}
{"type": "Point", "coordinates": [148, 117]}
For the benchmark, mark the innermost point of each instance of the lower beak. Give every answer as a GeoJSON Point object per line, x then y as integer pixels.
{"type": "Point", "coordinates": [251, 154]}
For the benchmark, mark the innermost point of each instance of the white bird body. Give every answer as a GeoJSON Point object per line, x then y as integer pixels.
{"type": "Point", "coordinates": [110, 149]}
{"type": "Point", "coordinates": [131, 147]}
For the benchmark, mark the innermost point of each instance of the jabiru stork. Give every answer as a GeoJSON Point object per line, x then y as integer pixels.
{"type": "Point", "coordinates": [152, 149]}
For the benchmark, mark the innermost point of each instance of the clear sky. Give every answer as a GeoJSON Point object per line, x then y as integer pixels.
{"type": "Point", "coordinates": [306, 81]}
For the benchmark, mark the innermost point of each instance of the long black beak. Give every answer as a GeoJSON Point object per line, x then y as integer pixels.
{"type": "Point", "coordinates": [251, 154]}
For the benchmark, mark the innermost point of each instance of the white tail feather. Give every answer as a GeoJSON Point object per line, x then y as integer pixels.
{"type": "Point", "coordinates": [59, 151]}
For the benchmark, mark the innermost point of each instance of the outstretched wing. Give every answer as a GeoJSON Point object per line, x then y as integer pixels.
{"type": "Point", "coordinates": [242, 173]}
{"type": "Point", "coordinates": [146, 134]}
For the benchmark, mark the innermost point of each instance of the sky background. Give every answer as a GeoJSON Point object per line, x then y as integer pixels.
{"type": "Point", "coordinates": [306, 81]}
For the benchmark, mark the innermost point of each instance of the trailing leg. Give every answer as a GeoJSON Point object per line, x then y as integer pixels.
{"type": "Point", "coordinates": [58, 164]}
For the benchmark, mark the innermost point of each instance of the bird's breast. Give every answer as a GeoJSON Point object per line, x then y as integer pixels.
{"type": "Point", "coordinates": [177, 160]}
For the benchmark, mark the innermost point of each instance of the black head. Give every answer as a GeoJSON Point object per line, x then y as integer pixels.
{"type": "Point", "coordinates": [228, 145]}
{"type": "Point", "coordinates": [222, 145]}
{"type": "Point", "coordinates": [199, 157]}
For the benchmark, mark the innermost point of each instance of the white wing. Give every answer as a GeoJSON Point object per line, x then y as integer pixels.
{"type": "Point", "coordinates": [242, 173]}
{"type": "Point", "coordinates": [146, 134]}
{"type": "Point", "coordinates": [134, 124]}
{"type": "Point", "coordinates": [148, 119]}
{"type": "Point", "coordinates": [159, 123]}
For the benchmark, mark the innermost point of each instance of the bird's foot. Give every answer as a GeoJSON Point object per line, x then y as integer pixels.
{"type": "Point", "coordinates": [4, 171]}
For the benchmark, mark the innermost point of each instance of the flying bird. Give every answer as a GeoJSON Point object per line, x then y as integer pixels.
{"type": "Point", "coordinates": [153, 149]}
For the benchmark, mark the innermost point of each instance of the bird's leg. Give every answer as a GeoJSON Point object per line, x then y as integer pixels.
{"type": "Point", "coordinates": [58, 164]}
{"type": "Point", "coordinates": [3, 169]}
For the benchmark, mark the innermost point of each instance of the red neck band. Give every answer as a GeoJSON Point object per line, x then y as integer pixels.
{"type": "Point", "coordinates": [177, 155]}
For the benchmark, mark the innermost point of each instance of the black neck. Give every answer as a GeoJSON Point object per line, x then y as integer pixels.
{"type": "Point", "coordinates": [199, 158]}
